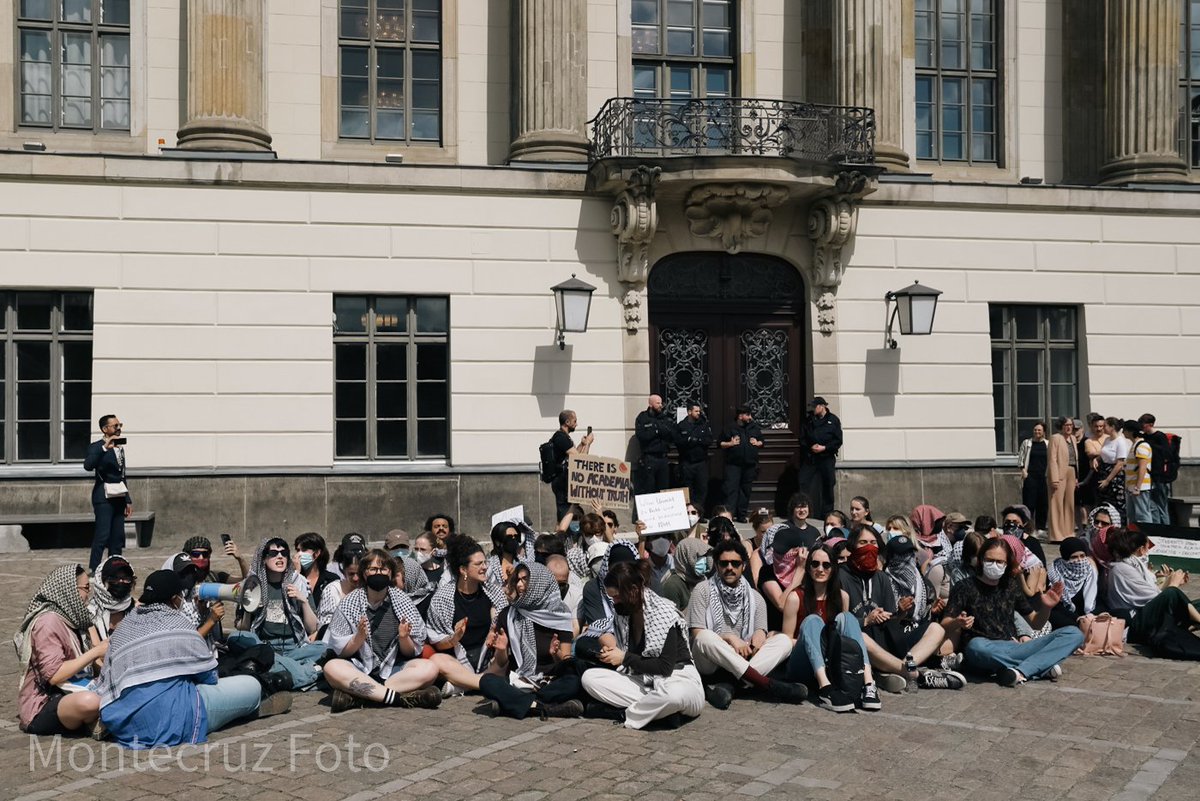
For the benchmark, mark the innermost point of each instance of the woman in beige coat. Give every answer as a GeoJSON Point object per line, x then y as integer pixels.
{"type": "Point", "coordinates": [1060, 476]}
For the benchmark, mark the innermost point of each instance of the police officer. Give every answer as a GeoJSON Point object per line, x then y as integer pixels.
{"type": "Point", "coordinates": [655, 433]}
{"type": "Point", "coordinates": [695, 439]}
{"type": "Point", "coordinates": [741, 443]}
{"type": "Point", "coordinates": [820, 440]}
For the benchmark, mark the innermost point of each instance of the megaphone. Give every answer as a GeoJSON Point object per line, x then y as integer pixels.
{"type": "Point", "coordinates": [247, 595]}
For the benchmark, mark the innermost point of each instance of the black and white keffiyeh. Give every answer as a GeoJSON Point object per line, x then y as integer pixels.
{"type": "Point", "coordinates": [907, 580]}
{"type": "Point", "coordinates": [441, 618]}
{"type": "Point", "coordinates": [190, 607]}
{"type": "Point", "coordinates": [153, 642]}
{"type": "Point", "coordinates": [1091, 529]}
{"type": "Point", "coordinates": [730, 607]}
{"type": "Point", "coordinates": [294, 617]}
{"type": "Point", "coordinates": [495, 568]}
{"type": "Point", "coordinates": [540, 605]}
{"type": "Point", "coordinates": [1076, 576]}
{"type": "Point", "coordinates": [606, 564]}
{"type": "Point", "coordinates": [344, 625]}
{"type": "Point", "coordinates": [59, 594]}
{"type": "Point", "coordinates": [764, 550]}
{"type": "Point", "coordinates": [659, 615]}
{"type": "Point", "coordinates": [416, 583]}
{"type": "Point", "coordinates": [578, 562]}
{"type": "Point", "coordinates": [101, 604]}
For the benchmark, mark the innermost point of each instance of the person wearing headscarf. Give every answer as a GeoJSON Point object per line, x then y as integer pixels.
{"type": "Point", "coordinates": [1099, 518]}
{"type": "Point", "coordinates": [1017, 520]}
{"type": "Point", "coordinates": [159, 685]}
{"type": "Point", "coordinates": [647, 672]}
{"type": "Point", "coordinates": [727, 619]}
{"type": "Point", "coordinates": [1079, 579]}
{"type": "Point", "coordinates": [924, 519]}
{"type": "Point", "coordinates": [595, 603]}
{"type": "Point", "coordinates": [783, 572]}
{"type": "Point", "coordinates": [692, 566]}
{"type": "Point", "coordinates": [762, 553]}
{"type": "Point", "coordinates": [377, 634]}
{"type": "Point", "coordinates": [206, 616]}
{"type": "Point", "coordinates": [111, 596]}
{"type": "Point", "coordinates": [285, 619]}
{"type": "Point", "coordinates": [56, 656]}
{"type": "Point", "coordinates": [510, 543]}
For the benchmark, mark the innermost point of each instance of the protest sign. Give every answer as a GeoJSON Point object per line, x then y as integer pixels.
{"type": "Point", "coordinates": [662, 512]}
{"type": "Point", "coordinates": [599, 478]}
{"type": "Point", "coordinates": [514, 515]}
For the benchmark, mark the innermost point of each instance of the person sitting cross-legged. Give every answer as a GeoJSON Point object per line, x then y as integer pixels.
{"type": "Point", "coordinates": [728, 622]}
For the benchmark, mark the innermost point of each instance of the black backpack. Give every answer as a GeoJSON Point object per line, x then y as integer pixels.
{"type": "Point", "coordinates": [843, 661]}
{"type": "Point", "coordinates": [547, 467]}
{"type": "Point", "coordinates": [1164, 456]}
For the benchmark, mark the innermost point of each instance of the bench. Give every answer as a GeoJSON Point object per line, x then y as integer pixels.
{"type": "Point", "coordinates": [1184, 511]}
{"type": "Point", "coordinates": [139, 528]}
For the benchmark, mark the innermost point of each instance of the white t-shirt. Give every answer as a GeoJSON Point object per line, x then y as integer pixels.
{"type": "Point", "coordinates": [1116, 449]}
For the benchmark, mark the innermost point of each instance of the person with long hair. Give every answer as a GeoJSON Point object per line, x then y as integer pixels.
{"type": "Point", "coordinates": [334, 593]}
{"type": "Point", "coordinates": [511, 543]}
{"type": "Point", "coordinates": [817, 602]}
{"type": "Point", "coordinates": [645, 638]}
{"type": "Point", "coordinates": [1133, 590]}
{"type": "Point", "coordinates": [860, 512]}
{"type": "Point", "coordinates": [1062, 461]}
{"type": "Point", "coordinates": [310, 560]}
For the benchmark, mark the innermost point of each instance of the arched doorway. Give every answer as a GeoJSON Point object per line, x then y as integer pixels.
{"type": "Point", "coordinates": [732, 329]}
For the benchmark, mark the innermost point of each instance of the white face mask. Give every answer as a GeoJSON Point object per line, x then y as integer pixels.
{"type": "Point", "coordinates": [829, 528]}
{"type": "Point", "coordinates": [893, 533]}
{"type": "Point", "coordinates": [589, 541]}
{"type": "Point", "coordinates": [421, 558]}
{"type": "Point", "coordinates": [660, 547]}
{"type": "Point", "coordinates": [693, 519]}
{"type": "Point", "coordinates": [993, 571]}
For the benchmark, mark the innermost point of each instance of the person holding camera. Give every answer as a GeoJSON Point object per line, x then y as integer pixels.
{"type": "Point", "coordinates": [563, 447]}
{"type": "Point", "coordinates": [110, 497]}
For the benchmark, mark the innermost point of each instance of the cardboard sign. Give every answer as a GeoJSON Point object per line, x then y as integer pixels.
{"type": "Point", "coordinates": [514, 515]}
{"type": "Point", "coordinates": [663, 512]}
{"type": "Point", "coordinates": [599, 478]}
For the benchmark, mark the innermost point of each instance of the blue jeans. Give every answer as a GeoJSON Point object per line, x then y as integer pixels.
{"type": "Point", "coordinates": [806, 653]}
{"type": "Point", "coordinates": [1142, 508]}
{"type": "Point", "coordinates": [1032, 659]}
{"type": "Point", "coordinates": [229, 699]}
{"type": "Point", "coordinates": [297, 659]}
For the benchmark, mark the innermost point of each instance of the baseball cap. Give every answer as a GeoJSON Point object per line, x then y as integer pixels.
{"type": "Point", "coordinates": [396, 538]}
{"type": "Point", "coordinates": [116, 567]}
{"type": "Point", "coordinates": [597, 550]}
{"type": "Point", "coordinates": [183, 564]}
{"type": "Point", "coordinates": [957, 518]}
{"type": "Point", "coordinates": [898, 546]}
{"type": "Point", "coordinates": [161, 586]}
{"type": "Point", "coordinates": [352, 543]}
{"type": "Point", "coordinates": [818, 401]}
{"type": "Point", "coordinates": [787, 539]}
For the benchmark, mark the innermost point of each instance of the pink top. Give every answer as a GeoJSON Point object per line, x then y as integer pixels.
{"type": "Point", "coordinates": [53, 643]}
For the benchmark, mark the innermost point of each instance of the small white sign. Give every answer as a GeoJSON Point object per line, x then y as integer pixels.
{"type": "Point", "coordinates": [513, 515]}
{"type": "Point", "coordinates": [680, 413]}
{"type": "Point", "coordinates": [662, 512]}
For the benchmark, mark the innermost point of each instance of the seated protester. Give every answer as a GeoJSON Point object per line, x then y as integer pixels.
{"type": "Point", "coordinates": [159, 685]}
{"type": "Point", "coordinates": [1079, 579]}
{"type": "Point", "coordinates": [986, 525]}
{"type": "Point", "coordinates": [1100, 518]}
{"type": "Point", "coordinates": [886, 605]}
{"type": "Point", "coordinates": [353, 546]}
{"type": "Point", "coordinates": [1133, 591]}
{"type": "Point", "coordinates": [538, 628]}
{"type": "Point", "coordinates": [963, 556]}
{"type": "Point", "coordinates": [570, 588]}
{"type": "Point", "coordinates": [434, 567]}
{"type": "Point", "coordinates": [982, 609]}
{"type": "Point", "coordinates": [509, 546]}
{"type": "Point", "coordinates": [721, 529]}
{"type": "Point", "coordinates": [835, 519]}
{"type": "Point", "coordinates": [783, 573]}
{"type": "Point", "coordinates": [646, 642]}
{"type": "Point", "coordinates": [205, 616]}
{"type": "Point", "coordinates": [728, 623]}
{"type": "Point", "coordinates": [841, 549]}
{"type": "Point", "coordinates": [955, 526]}
{"type": "Point", "coordinates": [285, 619]}
{"type": "Point", "coordinates": [761, 519]}
{"type": "Point", "coordinates": [860, 512]}
{"type": "Point", "coordinates": [441, 526]}
{"type": "Point", "coordinates": [799, 507]}
{"type": "Point", "coordinates": [334, 593]}
{"type": "Point", "coordinates": [1017, 521]}
{"type": "Point", "coordinates": [926, 520]}
{"type": "Point", "coordinates": [310, 560]}
{"type": "Point", "coordinates": [377, 634]}
{"type": "Point", "coordinates": [570, 528]}
{"type": "Point", "coordinates": [658, 550]}
{"type": "Point", "coordinates": [111, 595]}
{"type": "Point", "coordinates": [398, 544]}
{"type": "Point", "coordinates": [816, 602]}
{"type": "Point", "coordinates": [762, 554]}
{"type": "Point", "coordinates": [594, 604]}
{"type": "Point", "coordinates": [693, 563]}
{"type": "Point", "coordinates": [462, 617]}
{"type": "Point", "coordinates": [1032, 571]}
{"type": "Point", "coordinates": [200, 550]}
{"type": "Point", "coordinates": [722, 511]}
{"type": "Point", "coordinates": [57, 658]}
{"type": "Point", "coordinates": [411, 579]}
{"type": "Point", "coordinates": [547, 545]}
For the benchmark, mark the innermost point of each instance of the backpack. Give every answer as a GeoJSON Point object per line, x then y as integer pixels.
{"type": "Point", "coordinates": [547, 467]}
{"type": "Point", "coordinates": [843, 661]}
{"type": "Point", "coordinates": [1164, 457]}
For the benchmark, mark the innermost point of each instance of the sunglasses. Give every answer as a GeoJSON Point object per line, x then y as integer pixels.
{"type": "Point", "coordinates": [271, 553]}
{"type": "Point", "coordinates": [202, 554]}
{"type": "Point", "coordinates": [729, 563]}
{"type": "Point", "coordinates": [610, 524]}
{"type": "Point", "coordinates": [818, 565]}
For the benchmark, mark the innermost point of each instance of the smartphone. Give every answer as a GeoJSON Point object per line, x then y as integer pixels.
{"type": "Point", "coordinates": [225, 538]}
{"type": "Point", "coordinates": [119, 441]}
{"type": "Point", "coordinates": [589, 431]}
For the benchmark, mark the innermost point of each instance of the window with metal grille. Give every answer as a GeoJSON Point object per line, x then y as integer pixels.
{"type": "Point", "coordinates": [1035, 370]}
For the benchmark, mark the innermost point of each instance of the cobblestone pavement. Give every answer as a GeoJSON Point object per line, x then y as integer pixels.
{"type": "Point", "coordinates": [1111, 728]}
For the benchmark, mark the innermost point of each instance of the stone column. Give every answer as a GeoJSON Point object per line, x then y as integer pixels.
{"type": "Point", "coordinates": [550, 86]}
{"type": "Point", "coordinates": [868, 70]}
{"type": "Point", "coordinates": [226, 99]}
{"type": "Point", "coordinates": [1142, 92]}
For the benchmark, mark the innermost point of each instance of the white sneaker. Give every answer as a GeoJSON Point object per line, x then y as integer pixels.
{"type": "Point", "coordinates": [1054, 673]}
{"type": "Point", "coordinates": [450, 691]}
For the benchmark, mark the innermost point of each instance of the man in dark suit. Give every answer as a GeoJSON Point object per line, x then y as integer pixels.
{"type": "Point", "coordinates": [110, 497]}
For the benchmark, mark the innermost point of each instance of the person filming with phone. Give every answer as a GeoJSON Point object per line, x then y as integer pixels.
{"type": "Point", "coordinates": [110, 496]}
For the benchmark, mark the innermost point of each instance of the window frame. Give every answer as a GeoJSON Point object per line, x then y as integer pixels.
{"type": "Point", "coordinates": [1189, 87]}
{"type": "Point", "coordinates": [968, 75]}
{"type": "Point", "coordinates": [411, 338]}
{"type": "Point", "coordinates": [697, 64]}
{"type": "Point", "coordinates": [97, 29]}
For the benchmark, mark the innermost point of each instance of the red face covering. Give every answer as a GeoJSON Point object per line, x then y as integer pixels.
{"type": "Point", "coordinates": [865, 558]}
{"type": "Point", "coordinates": [202, 565]}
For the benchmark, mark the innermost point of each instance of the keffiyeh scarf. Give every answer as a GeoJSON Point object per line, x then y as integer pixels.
{"type": "Point", "coordinates": [577, 560]}
{"type": "Point", "coordinates": [907, 580]}
{"type": "Point", "coordinates": [190, 607]}
{"type": "Point", "coordinates": [102, 605]}
{"type": "Point", "coordinates": [59, 594]}
{"type": "Point", "coordinates": [659, 615]}
{"type": "Point", "coordinates": [294, 618]}
{"type": "Point", "coordinates": [153, 642]}
{"type": "Point", "coordinates": [416, 583]}
{"type": "Point", "coordinates": [1076, 576]}
{"type": "Point", "coordinates": [344, 625]}
{"type": "Point", "coordinates": [1091, 529]}
{"type": "Point", "coordinates": [441, 619]}
{"type": "Point", "coordinates": [730, 607]}
{"type": "Point", "coordinates": [764, 550]}
{"type": "Point", "coordinates": [540, 605]}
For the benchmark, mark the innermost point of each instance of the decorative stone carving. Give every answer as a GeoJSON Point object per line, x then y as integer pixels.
{"type": "Point", "coordinates": [831, 223]}
{"type": "Point", "coordinates": [634, 220]}
{"type": "Point", "coordinates": [732, 213]}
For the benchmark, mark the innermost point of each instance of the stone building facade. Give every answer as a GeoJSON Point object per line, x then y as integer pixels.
{"type": "Point", "coordinates": [304, 248]}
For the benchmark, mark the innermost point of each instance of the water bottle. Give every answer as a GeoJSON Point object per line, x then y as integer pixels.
{"type": "Point", "coordinates": [910, 674]}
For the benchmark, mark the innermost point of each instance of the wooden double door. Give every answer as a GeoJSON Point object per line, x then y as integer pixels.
{"type": "Point", "coordinates": [731, 330]}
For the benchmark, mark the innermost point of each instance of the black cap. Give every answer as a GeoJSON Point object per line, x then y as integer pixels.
{"type": "Point", "coordinates": [116, 567]}
{"type": "Point", "coordinates": [160, 587]}
{"type": "Point", "coordinates": [743, 409]}
{"type": "Point", "coordinates": [898, 546]}
{"type": "Point", "coordinates": [819, 401]}
{"type": "Point", "coordinates": [352, 543]}
{"type": "Point", "coordinates": [1071, 546]}
{"type": "Point", "coordinates": [791, 537]}
{"type": "Point", "coordinates": [182, 564]}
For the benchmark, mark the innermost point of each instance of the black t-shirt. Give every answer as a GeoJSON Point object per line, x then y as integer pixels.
{"type": "Point", "coordinates": [477, 609]}
{"type": "Point", "coordinates": [991, 606]}
{"type": "Point", "coordinates": [562, 443]}
{"type": "Point", "coordinates": [591, 603]}
{"type": "Point", "coordinates": [774, 615]}
{"type": "Point", "coordinates": [868, 592]}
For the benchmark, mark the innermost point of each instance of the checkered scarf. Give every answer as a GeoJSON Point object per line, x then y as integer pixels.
{"type": "Point", "coordinates": [153, 642]}
{"type": "Point", "coordinates": [416, 583]}
{"type": "Point", "coordinates": [730, 607]}
{"type": "Point", "coordinates": [578, 562]}
{"type": "Point", "coordinates": [59, 594]}
{"type": "Point", "coordinates": [353, 608]}
{"type": "Point", "coordinates": [764, 550]}
{"type": "Point", "coordinates": [540, 605]}
{"type": "Point", "coordinates": [294, 617]}
{"type": "Point", "coordinates": [495, 568]}
{"type": "Point", "coordinates": [101, 605]}
{"type": "Point", "coordinates": [907, 580]}
{"type": "Point", "coordinates": [441, 618]}
{"type": "Point", "coordinates": [660, 616]}
{"type": "Point", "coordinates": [1075, 576]}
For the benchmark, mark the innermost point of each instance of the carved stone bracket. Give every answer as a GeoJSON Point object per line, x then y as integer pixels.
{"type": "Point", "coordinates": [634, 221]}
{"type": "Point", "coordinates": [732, 213]}
{"type": "Point", "coordinates": [831, 223]}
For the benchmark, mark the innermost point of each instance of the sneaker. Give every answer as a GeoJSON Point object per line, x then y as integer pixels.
{"type": "Point", "coordinates": [1009, 677]}
{"type": "Point", "coordinates": [942, 680]}
{"type": "Point", "coordinates": [341, 701]}
{"type": "Point", "coordinates": [566, 709]}
{"type": "Point", "coordinates": [1054, 673]}
{"type": "Point", "coordinates": [275, 704]}
{"type": "Point", "coordinates": [952, 661]}
{"type": "Point", "coordinates": [869, 700]}
{"type": "Point", "coordinates": [719, 695]}
{"type": "Point", "coordinates": [891, 682]}
{"type": "Point", "coordinates": [671, 721]}
{"type": "Point", "coordinates": [425, 698]}
{"type": "Point", "coordinates": [830, 697]}
{"type": "Point", "coordinates": [450, 691]}
{"type": "Point", "coordinates": [787, 692]}
{"type": "Point", "coordinates": [99, 731]}
{"type": "Point", "coordinates": [603, 711]}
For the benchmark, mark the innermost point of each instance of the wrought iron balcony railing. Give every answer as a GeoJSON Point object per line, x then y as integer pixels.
{"type": "Point", "coordinates": [733, 126]}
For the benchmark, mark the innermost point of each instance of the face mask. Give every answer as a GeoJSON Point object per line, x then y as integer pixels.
{"type": "Point", "coordinates": [440, 553]}
{"type": "Point", "coordinates": [865, 558]}
{"type": "Point", "coordinates": [306, 560]}
{"type": "Point", "coordinates": [401, 553]}
{"type": "Point", "coordinates": [701, 566]}
{"type": "Point", "coordinates": [829, 528]}
{"type": "Point", "coordinates": [573, 527]}
{"type": "Point", "coordinates": [511, 546]}
{"type": "Point", "coordinates": [119, 592]}
{"type": "Point", "coordinates": [422, 557]}
{"type": "Point", "coordinates": [589, 541]}
{"type": "Point", "coordinates": [1014, 528]}
{"type": "Point", "coordinates": [892, 533]}
{"type": "Point", "coordinates": [993, 571]}
{"type": "Point", "coordinates": [540, 558]}
{"type": "Point", "coordinates": [693, 520]}
{"type": "Point", "coordinates": [202, 565]}
{"type": "Point", "coordinates": [660, 547]}
{"type": "Point", "coordinates": [379, 581]}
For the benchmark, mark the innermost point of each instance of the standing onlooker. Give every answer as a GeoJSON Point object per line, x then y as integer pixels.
{"type": "Point", "coordinates": [1088, 483]}
{"type": "Point", "coordinates": [820, 441]}
{"type": "Point", "coordinates": [655, 433]}
{"type": "Point", "coordinates": [1062, 458]}
{"type": "Point", "coordinates": [1113, 453]}
{"type": "Point", "coordinates": [1139, 505]}
{"type": "Point", "coordinates": [1160, 490]}
{"type": "Point", "coordinates": [1032, 458]}
{"type": "Point", "coordinates": [741, 444]}
{"type": "Point", "coordinates": [564, 447]}
{"type": "Point", "coordinates": [110, 497]}
{"type": "Point", "coordinates": [695, 439]}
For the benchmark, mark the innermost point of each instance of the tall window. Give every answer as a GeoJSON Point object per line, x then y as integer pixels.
{"type": "Point", "coordinates": [1034, 369]}
{"type": "Point", "coordinates": [1189, 83]}
{"type": "Point", "coordinates": [390, 70]}
{"type": "Point", "coordinates": [46, 369]}
{"type": "Point", "coordinates": [683, 48]}
{"type": "Point", "coordinates": [391, 369]}
{"type": "Point", "coordinates": [74, 64]}
{"type": "Point", "coordinates": [958, 80]}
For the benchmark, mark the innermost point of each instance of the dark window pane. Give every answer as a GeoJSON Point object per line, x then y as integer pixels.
{"type": "Point", "coordinates": [426, 27]}
{"type": "Point", "coordinates": [996, 321]}
{"type": "Point", "coordinates": [33, 441]}
{"type": "Point", "coordinates": [1062, 323]}
{"type": "Point", "coordinates": [351, 361]}
{"type": "Point", "coordinates": [77, 400]}
{"type": "Point", "coordinates": [999, 366]}
{"type": "Point", "coordinates": [431, 438]}
{"type": "Point", "coordinates": [391, 362]}
{"type": "Point", "coordinates": [350, 313]}
{"type": "Point", "coordinates": [354, 20]}
{"type": "Point", "coordinates": [76, 10]}
{"type": "Point", "coordinates": [1029, 400]}
{"type": "Point", "coordinates": [1001, 437]}
{"type": "Point", "coordinates": [393, 438]}
{"type": "Point", "coordinates": [389, 63]}
{"type": "Point", "coordinates": [33, 361]}
{"type": "Point", "coordinates": [33, 310]}
{"type": "Point", "coordinates": [431, 399]}
{"type": "Point", "coordinates": [431, 362]}
{"type": "Point", "coordinates": [389, 20]}
{"type": "Point", "coordinates": [679, 12]}
{"type": "Point", "coordinates": [350, 399]}
{"type": "Point", "coordinates": [77, 311]}
{"type": "Point", "coordinates": [1026, 320]}
{"type": "Point", "coordinates": [426, 65]}
{"type": "Point", "coordinates": [1000, 401]}
{"type": "Point", "coordinates": [77, 361]}
{"type": "Point", "coordinates": [1062, 367]}
{"type": "Point", "coordinates": [391, 315]}
{"type": "Point", "coordinates": [1062, 401]}
{"type": "Point", "coordinates": [645, 40]}
{"type": "Point", "coordinates": [716, 15]}
{"type": "Point", "coordinates": [33, 400]}
{"type": "Point", "coordinates": [645, 11]}
{"type": "Point", "coordinates": [391, 399]}
{"type": "Point", "coordinates": [433, 315]}
{"type": "Point", "coordinates": [75, 439]}
{"type": "Point", "coordinates": [35, 9]}
{"type": "Point", "coordinates": [681, 42]}
{"type": "Point", "coordinates": [1029, 367]}
{"type": "Point", "coordinates": [114, 12]}
{"type": "Point", "coordinates": [351, 438]}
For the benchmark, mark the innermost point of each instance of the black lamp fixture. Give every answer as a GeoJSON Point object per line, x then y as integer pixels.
{"type": "Point", "coordinates": [915, 305]}
{"type": "Point", "coordinates": [572, 304]}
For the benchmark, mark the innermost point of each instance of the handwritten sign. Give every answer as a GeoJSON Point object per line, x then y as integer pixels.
{"type": "Point", "coordinates": [599, 478]}
{"type": "Point", "coordinates": [663, 511]}
{"type": "Point", "coordinates": [514, 515]}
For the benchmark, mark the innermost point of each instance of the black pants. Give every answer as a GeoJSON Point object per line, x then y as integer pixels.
{"type": "Point", "coordinates": [818, 477]}
{"type": "Point", "coordinates": [739, 481]}
{"type": "Point", "coordinates": [559, 487]}
{"type": "Point", "coordinates": [695, 478]}
{"type": "Point", "coordinates": [110, 530]}
{"type": "Point", "coordinates": [516, 703]}
{"type": "Point", "coordinates": [655, 472]}
{"type": "Point", "coordinates": [1035, 496]}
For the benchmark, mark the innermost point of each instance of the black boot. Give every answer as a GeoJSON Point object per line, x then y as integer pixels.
{"type": "Point", "coordinates": [509, 700]}
{"type": "Point", "coordinates": [602, 711]}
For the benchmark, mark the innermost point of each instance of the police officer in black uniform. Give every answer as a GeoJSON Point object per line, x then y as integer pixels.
{"type": "Point", "coordinates": [741, 443]}
{"type": "Point", "coordinates": [695, 440]}
{"type": "Point", "coordinates": [655, 432]}
{"type": "Point", "coordinates": [820, 440]}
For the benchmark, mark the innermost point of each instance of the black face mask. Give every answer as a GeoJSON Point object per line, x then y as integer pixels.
{"type": "Point", "coordinates": [563, 588]}
{"type": "Point", "coordinates": [378, 581]}
{"type": "Point", "coordinates": [1014, 528]}
{"type": "Point", "coordinates": [511, 546]}
{"type": "Point", "coordinates": [119, 592]}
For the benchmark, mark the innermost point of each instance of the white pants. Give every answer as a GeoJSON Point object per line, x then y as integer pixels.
{"type": "Point", "coordinates": [712, 653]}
{"type": "Point", "coordinates": [680, 692]}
